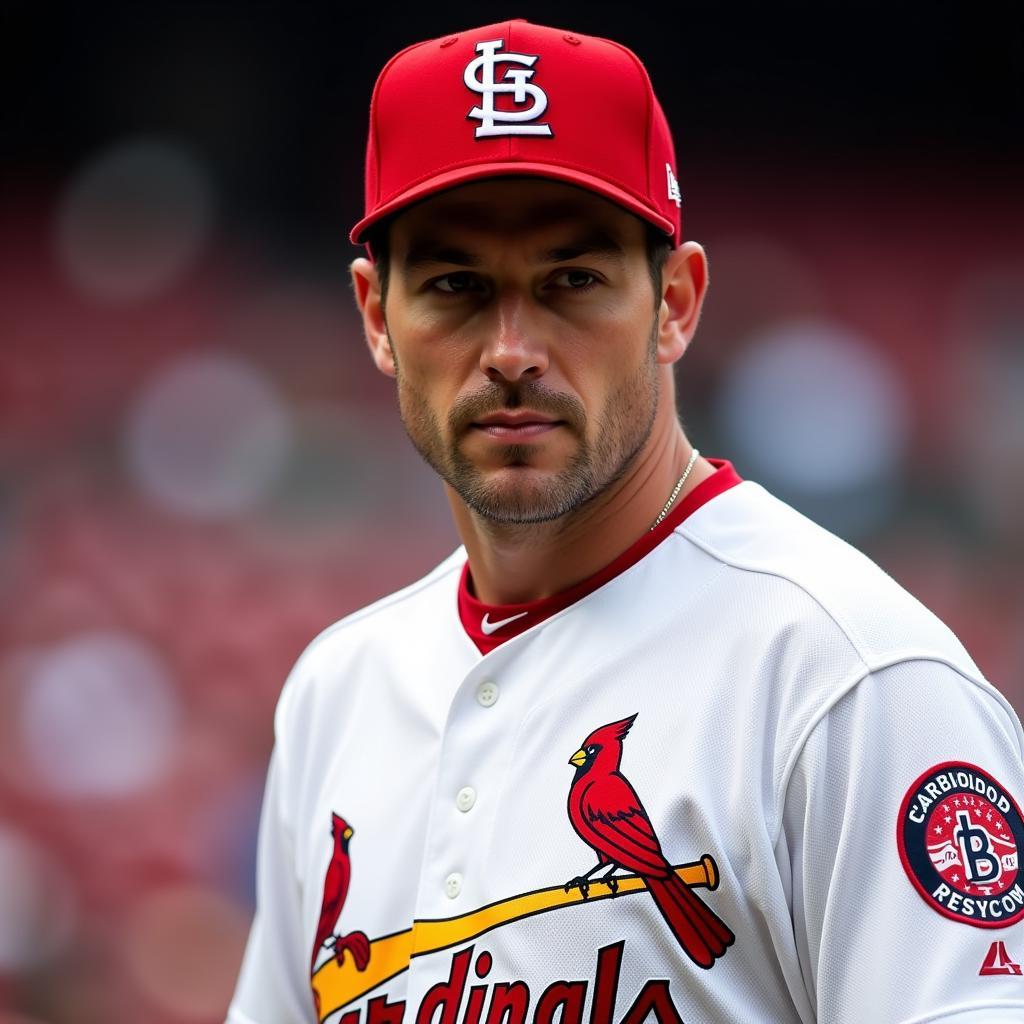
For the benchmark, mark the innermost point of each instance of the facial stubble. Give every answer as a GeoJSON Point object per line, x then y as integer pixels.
{"type": "Point", "coordinates": [518, 497]}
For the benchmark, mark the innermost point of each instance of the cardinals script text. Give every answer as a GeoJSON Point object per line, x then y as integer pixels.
{"type": "Point", "coordinates": [511, 1002]}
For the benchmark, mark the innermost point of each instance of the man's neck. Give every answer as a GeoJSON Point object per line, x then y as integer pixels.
{"type": "Point", "coordinates": [518, 563]}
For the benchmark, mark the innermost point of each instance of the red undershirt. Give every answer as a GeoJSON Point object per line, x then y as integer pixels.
{"type": "Point", "coordinates": [513, 619]}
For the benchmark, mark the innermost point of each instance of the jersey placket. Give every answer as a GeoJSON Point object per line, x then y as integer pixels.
{"type": "Point", "coordinates": [473, 758]}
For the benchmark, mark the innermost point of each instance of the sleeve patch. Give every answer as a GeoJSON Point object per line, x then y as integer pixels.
{"type": "Point", "coordinates": [959, 835]}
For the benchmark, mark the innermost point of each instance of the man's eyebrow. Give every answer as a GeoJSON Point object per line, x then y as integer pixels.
{"type": "Point", "coordinates": [425, 253]}
{"type": "Point", "coordinates": [594, 242]}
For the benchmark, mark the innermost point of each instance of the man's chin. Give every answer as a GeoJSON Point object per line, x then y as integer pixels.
{"type": "Point", "coordinates": [516, 514]}
{"type": "Point", "coordinates": [519, 495]}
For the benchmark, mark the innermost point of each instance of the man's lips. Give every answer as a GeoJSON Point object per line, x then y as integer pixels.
{"type": "Point", "coordinates": [516, 426]}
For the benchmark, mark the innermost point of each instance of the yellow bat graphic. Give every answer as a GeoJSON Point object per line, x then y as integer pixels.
{"type": "Point", "coordinates": [337, 985]}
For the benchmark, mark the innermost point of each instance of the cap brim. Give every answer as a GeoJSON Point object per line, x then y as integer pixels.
{"type": "Point", "coordinates": [505, 169]}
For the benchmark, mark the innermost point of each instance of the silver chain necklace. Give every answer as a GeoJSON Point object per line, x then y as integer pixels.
{"type": "Point", "coordinates": [678, 487]}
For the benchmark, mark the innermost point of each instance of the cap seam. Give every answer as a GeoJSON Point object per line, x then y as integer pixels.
{"type": "Point", "coordinates": [645, 78]}
{"type": "Point", "coordinates": [378, 85]}
{"type": "Point", "coordinates": [511, 139]}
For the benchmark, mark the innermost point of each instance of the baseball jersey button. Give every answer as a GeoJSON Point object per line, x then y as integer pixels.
{"type": "Point", "coordinates": [487, 693]}
{"type": "Point", "coordinates": [453, 885]}
{"type": "Point", "coordinates": [465, 798]}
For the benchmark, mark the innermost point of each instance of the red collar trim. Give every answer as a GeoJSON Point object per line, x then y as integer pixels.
{"type": "Point", "coordinates": [504, 621]}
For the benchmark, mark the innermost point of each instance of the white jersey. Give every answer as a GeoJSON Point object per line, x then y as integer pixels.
{"type": "Point", "coordinates": [765, 731]}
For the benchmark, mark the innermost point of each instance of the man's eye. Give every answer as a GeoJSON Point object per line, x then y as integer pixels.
{"type": "Point", "coordinates": [575, 280]}
{"type": "Point", "coordinates": [461, 281]}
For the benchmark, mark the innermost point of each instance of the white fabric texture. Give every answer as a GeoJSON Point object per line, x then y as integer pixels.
{"type": "Point", "coordinates": [787, 693]}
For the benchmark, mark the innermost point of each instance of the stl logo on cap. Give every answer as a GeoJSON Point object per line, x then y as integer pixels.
{"type": "Point", "coordinates": [479, 76]}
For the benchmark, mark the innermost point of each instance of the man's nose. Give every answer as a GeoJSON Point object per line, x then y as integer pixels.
{"type": "Point", "coordinates": [515, 347]}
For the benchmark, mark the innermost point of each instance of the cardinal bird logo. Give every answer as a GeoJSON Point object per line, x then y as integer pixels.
{"type": "Point", "coordinates": [609, 817]}
{"type": "Point", "coordinates": [336, 882]}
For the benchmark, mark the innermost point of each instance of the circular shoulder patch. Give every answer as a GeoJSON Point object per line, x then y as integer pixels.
{"type": "Point", "coordinates": [960, 834]}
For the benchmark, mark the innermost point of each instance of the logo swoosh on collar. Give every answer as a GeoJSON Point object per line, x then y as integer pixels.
{"type": "Point", "coordinates": [489, 627]}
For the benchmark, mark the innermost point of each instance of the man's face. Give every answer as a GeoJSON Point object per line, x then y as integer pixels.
{"type": "Point", "coordinates": [520, 318]}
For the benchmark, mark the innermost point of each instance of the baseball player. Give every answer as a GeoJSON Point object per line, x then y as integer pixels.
{"type": "Point", "coordinates": [649, 742]}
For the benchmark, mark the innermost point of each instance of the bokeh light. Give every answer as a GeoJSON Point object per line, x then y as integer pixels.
{"type": "Point", "coordinates": [133, 220]}
{"type": "Point", "coordinates": [99, 716]}
{"type": "Point", "coordinates": [208, 436]}
{"type": "Point", "coordinates": [181, 946]}
{"type": "Point", "coordinates": [817, 413]}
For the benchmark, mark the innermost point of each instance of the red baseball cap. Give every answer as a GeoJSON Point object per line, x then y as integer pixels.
{"type": "Point", "coordinates": [515, 98]}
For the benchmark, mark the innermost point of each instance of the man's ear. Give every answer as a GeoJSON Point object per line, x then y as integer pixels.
{"type": "Point", "coordinates": [684, 284]}
{"type": "Point", "coordinates": [366, 284]}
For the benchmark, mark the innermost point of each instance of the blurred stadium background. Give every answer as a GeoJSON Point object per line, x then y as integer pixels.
{"type": "Point", "coordinates": [199, 468]}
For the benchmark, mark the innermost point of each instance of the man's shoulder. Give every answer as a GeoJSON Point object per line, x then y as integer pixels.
{"type": "Point", "coordinates": [434, 593]}
{"type": "Point", "coordinates": [752, 531]}
{"type": "Point", "coordinates": [392, 627]}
